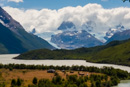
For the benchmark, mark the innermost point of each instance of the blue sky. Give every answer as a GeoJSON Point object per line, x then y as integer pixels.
{"type": "Point", "coordinates": [57, 4]}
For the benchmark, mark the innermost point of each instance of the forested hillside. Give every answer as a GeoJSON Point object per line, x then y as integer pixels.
{"type": "Point", "coordinates": [116, 52]}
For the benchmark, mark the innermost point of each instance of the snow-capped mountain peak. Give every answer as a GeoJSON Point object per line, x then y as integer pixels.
{"type": "Point", "coordinates": [112, 31]}
{"type": "Point", "coordinates": [9, 22]}
{"type": "Point", "coordinates": [66, 26]}
{"type": "Point", "coordinates": [75, 39]}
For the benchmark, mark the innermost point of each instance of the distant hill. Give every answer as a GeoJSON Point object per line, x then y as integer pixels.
{"type": "Point", "coordinates": [14, 39]}
{"type": "Point", "coordinates": [116, 52]}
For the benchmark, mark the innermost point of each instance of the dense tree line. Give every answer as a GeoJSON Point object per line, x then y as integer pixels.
{"type": "Point", "coordinates": [106, 70]}
{"type": "Point", "coordinates": [71, 81]}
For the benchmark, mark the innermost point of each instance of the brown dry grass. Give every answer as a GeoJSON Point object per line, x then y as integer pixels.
{"type": "Point", "coordinates": [28, 75]}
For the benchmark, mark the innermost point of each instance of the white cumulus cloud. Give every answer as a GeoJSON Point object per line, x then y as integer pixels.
{"type": "Point", "coordinates": [47, 20]}
{"type": "Point", "coordinates": [17, 1]}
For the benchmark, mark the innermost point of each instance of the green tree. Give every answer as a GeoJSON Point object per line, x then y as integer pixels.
{"type": "Point", "coordinates": [13, 82]}
{"type": "Point", "coordinates": [72, 78]}
{"type": "Point", "coordinates": [83, 85]}
{"type": "Point", "coordinates": [57, 80]}
{"type": "Point", "coordinates": [92, 84]}
{"type": "Point", "coordinates": [34, 81]}
{"type": "Point", "coordinates": [98, 83]}
{"type": "Point", "coordinates": [19, 82]}
{"type": "Point", "coordinates": [109, 84]}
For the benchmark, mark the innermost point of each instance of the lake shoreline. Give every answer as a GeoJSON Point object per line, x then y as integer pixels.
{"type": "Point", "coordinates": [123, 83]}
{"type": "Point", "coordinates": [7, 59]}
{"type": "Point", "coordinates": [74, 59]}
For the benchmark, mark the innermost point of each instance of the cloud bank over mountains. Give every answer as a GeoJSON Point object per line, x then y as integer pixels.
{"type": "Point", "coordinates": [47, 20]}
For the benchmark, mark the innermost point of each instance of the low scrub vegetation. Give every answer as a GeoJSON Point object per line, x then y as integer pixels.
{"type": "Point", "coordinates": [20, 75]}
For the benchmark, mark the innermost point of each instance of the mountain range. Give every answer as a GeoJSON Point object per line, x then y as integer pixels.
{"type": "Point", "coordinates": [72, 38]}
{"type": "Point", "coordinates": [14, 39]}
{"type": "Point", "coordinates": [75, 39]}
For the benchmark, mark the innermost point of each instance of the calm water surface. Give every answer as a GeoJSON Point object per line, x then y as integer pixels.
{"type": "Point", "coordinates": [124, 83]}
{"type": "Point", "coordinates": [6, 59]}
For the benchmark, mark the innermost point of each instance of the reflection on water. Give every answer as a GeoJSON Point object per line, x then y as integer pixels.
{"type": "Point", "coordinates": [124, 83]}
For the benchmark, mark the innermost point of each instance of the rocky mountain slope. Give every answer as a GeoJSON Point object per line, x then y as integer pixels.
{"type": "Point", "coordinates": [124, 35]}
{"type": "Point", "coordinates": [14, 39]}
{"type": "Point", "coordinates": [75, 39]}
{"type": "Point", "coordinates": [70, 38]}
